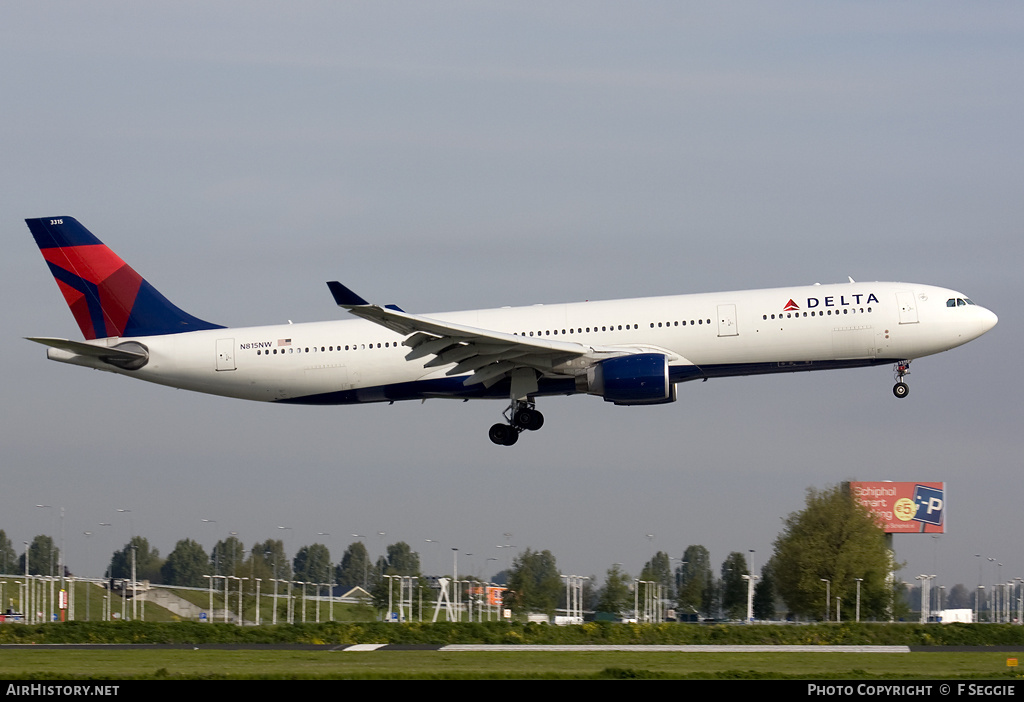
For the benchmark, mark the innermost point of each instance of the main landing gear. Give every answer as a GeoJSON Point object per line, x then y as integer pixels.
{"type": "Point", "coordinates": [521, 416]}
{"type": "Point", "coordinates": [901, 369]}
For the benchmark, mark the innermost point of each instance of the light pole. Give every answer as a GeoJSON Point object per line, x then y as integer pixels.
{"type": "Point", "coordinates": [210, 578]}
{"type": "Point", "coordinates": [574, 597]}
{"type": "Point", "coordinates": [750, 595]}
{"type": "Point", "coordinates": [225, 578]}
{"type": "Point", "coordinates": [455, 583]}
{"type": "Point", "coordinates": [859, 581]}
{"type": "Point", "coordinates": [135, 589]}
{"type": "Point", "coordinates": [273, 612]}
{"type": "Point", "coordinates": [28, 599]}
{"type": "Point", "coordinates": [241, 616]}
{"type": "Point", "coordinates": [992, 595]}
{"type": "Point", "coordinates": [1020, 599]}
{"type": "Point", "coordinates": [258, 618]}
{"type": "Point", "coordinates": [923, 580]}
{"type": "Point", "coordinates": [828, 595]}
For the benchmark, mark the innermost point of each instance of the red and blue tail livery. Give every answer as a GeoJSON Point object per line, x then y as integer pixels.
{"type": "Point", "coordinates": [627, 352]}
{"type": "Point", "coordinates": [106, 296]}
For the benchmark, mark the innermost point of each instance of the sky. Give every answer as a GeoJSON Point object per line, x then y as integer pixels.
{"type": "Point", "coordinates": [455, 155]}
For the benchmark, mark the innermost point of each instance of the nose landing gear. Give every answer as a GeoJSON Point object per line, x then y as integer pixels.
{"type": "Point", "coordinates": [901, 389]}
{"type": "Point", "coordinates": [522, 416]}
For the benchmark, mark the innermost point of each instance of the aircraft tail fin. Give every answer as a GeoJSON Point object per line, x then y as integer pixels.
{"type": "Point", "coordinates": [106, 296]}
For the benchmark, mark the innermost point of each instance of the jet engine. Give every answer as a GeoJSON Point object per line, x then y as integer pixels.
{"type": "Point", "coordinates": [637, 379]}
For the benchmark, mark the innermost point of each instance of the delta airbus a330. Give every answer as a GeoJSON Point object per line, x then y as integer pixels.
{"type": "Point", "coordinates": [629, 352]}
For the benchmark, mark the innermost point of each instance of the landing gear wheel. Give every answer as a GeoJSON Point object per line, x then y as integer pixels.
{"type": "Point", "coordinates": [503, 434]}
{"type": "Point", "coordinates": [900, 371]}
{"type": "Point", "coordinates": [527, 418]}
{"type": "Point", "coordinates": [520, 416]}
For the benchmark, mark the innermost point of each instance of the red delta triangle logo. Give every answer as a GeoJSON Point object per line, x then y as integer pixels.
{"type": "Point", "coordinates": [790, 306]}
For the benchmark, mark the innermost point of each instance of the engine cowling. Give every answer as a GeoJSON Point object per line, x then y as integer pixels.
{"type": "Point", "coordinates": [637, 379]}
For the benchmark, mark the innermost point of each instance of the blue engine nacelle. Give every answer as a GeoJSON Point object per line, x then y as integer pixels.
{"type": "Point", "coordinates": [640, 379]}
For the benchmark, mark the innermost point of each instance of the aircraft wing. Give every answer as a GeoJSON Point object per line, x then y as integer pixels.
{"type": "Point", "coordinates": [489, 356]}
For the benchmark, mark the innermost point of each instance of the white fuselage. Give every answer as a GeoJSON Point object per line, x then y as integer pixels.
{"type": "Point", "coordinates": [708, 335]}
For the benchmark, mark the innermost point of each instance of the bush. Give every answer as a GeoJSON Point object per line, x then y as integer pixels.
{"type": "Point", "coordinates": [340, 633]}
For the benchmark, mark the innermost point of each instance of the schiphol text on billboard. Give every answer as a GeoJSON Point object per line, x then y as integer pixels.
{"type": "Point", "coordinates": [904, 508]}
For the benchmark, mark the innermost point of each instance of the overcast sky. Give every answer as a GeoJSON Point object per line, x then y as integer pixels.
{"type": "Point", "coordinates": [453, 155]}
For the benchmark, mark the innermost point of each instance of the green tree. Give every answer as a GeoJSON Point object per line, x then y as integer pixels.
{"type": "Point", "coordinates": [695, 581]}
{"type": "Point", "coordinates": [764, 595]}
{"type": "Point", "coordinates": [614, 596]}
{"type": "Point", "coordinates": [227, 556]}
{"type": "Point", "coordinates": [834, 539]}
{"type": "Point", "coordinates": [402, 560]}
{"type": "Point", "coordinates": [147, 561]}
{"type": "Point", "coordinates": [659, 570]}
{"type": "Point", "coordinates": [734, 587]}
{"type": "Point", "coordinates": [354, 569]}
{"type": "Point", "coordinates": [266, 561]}
{"type": "Point", "coordinates": [186, 565]}
{"type": "Point", "coordinates": [312, 565]}
{"type": "Point", "coordinates": [43, 557]}
{"type": "Point", "coordinates": [959, 598]}
{"type": "Point", "coordinates": [534, 583]}
{"type": "Point", "coordinates": [8, 556]}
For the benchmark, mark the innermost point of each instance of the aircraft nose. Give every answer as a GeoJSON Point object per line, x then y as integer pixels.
{"type": "Point", "coordinates": [988, 319]}
{"type": "Point", "coordinates": [981, 320]}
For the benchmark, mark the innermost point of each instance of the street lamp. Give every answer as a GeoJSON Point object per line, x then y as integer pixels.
{"type": "Point", "coordinates": [455, 583]}
{"type": "Point", "coordinates": [926, 581]}
{"type": "Point", "coordinates": [750, 594]}
{"type": "Point", "coordinates": [828, 595]}
{"type": "Point", "coordinates": [28, 590]}
{"type": "Point", "coordinates": [859, 581]}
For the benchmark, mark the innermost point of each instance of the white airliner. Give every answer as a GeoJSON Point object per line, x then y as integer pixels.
{"type": "Point", "coordinates": [629, 352]}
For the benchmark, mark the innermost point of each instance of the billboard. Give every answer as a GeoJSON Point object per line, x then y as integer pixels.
{"type": "Point", "coordinates": [904, 508]}
{"type": "Point", "coordinates": [491, 594]}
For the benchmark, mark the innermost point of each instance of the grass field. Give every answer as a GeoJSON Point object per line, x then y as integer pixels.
{"type": "Point", "coordinates": [119, 664]}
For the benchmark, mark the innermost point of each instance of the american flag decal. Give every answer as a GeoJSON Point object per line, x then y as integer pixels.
{"type": "Point", "coordinates": [284, 342]}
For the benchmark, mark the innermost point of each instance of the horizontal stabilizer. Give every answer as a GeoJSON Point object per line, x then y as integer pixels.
{"type": "Point", "coordinates": [129, 355]}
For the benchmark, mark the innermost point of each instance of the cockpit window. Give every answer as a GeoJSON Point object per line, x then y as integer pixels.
{"type": "Point", "coordinates": [958, 302]}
